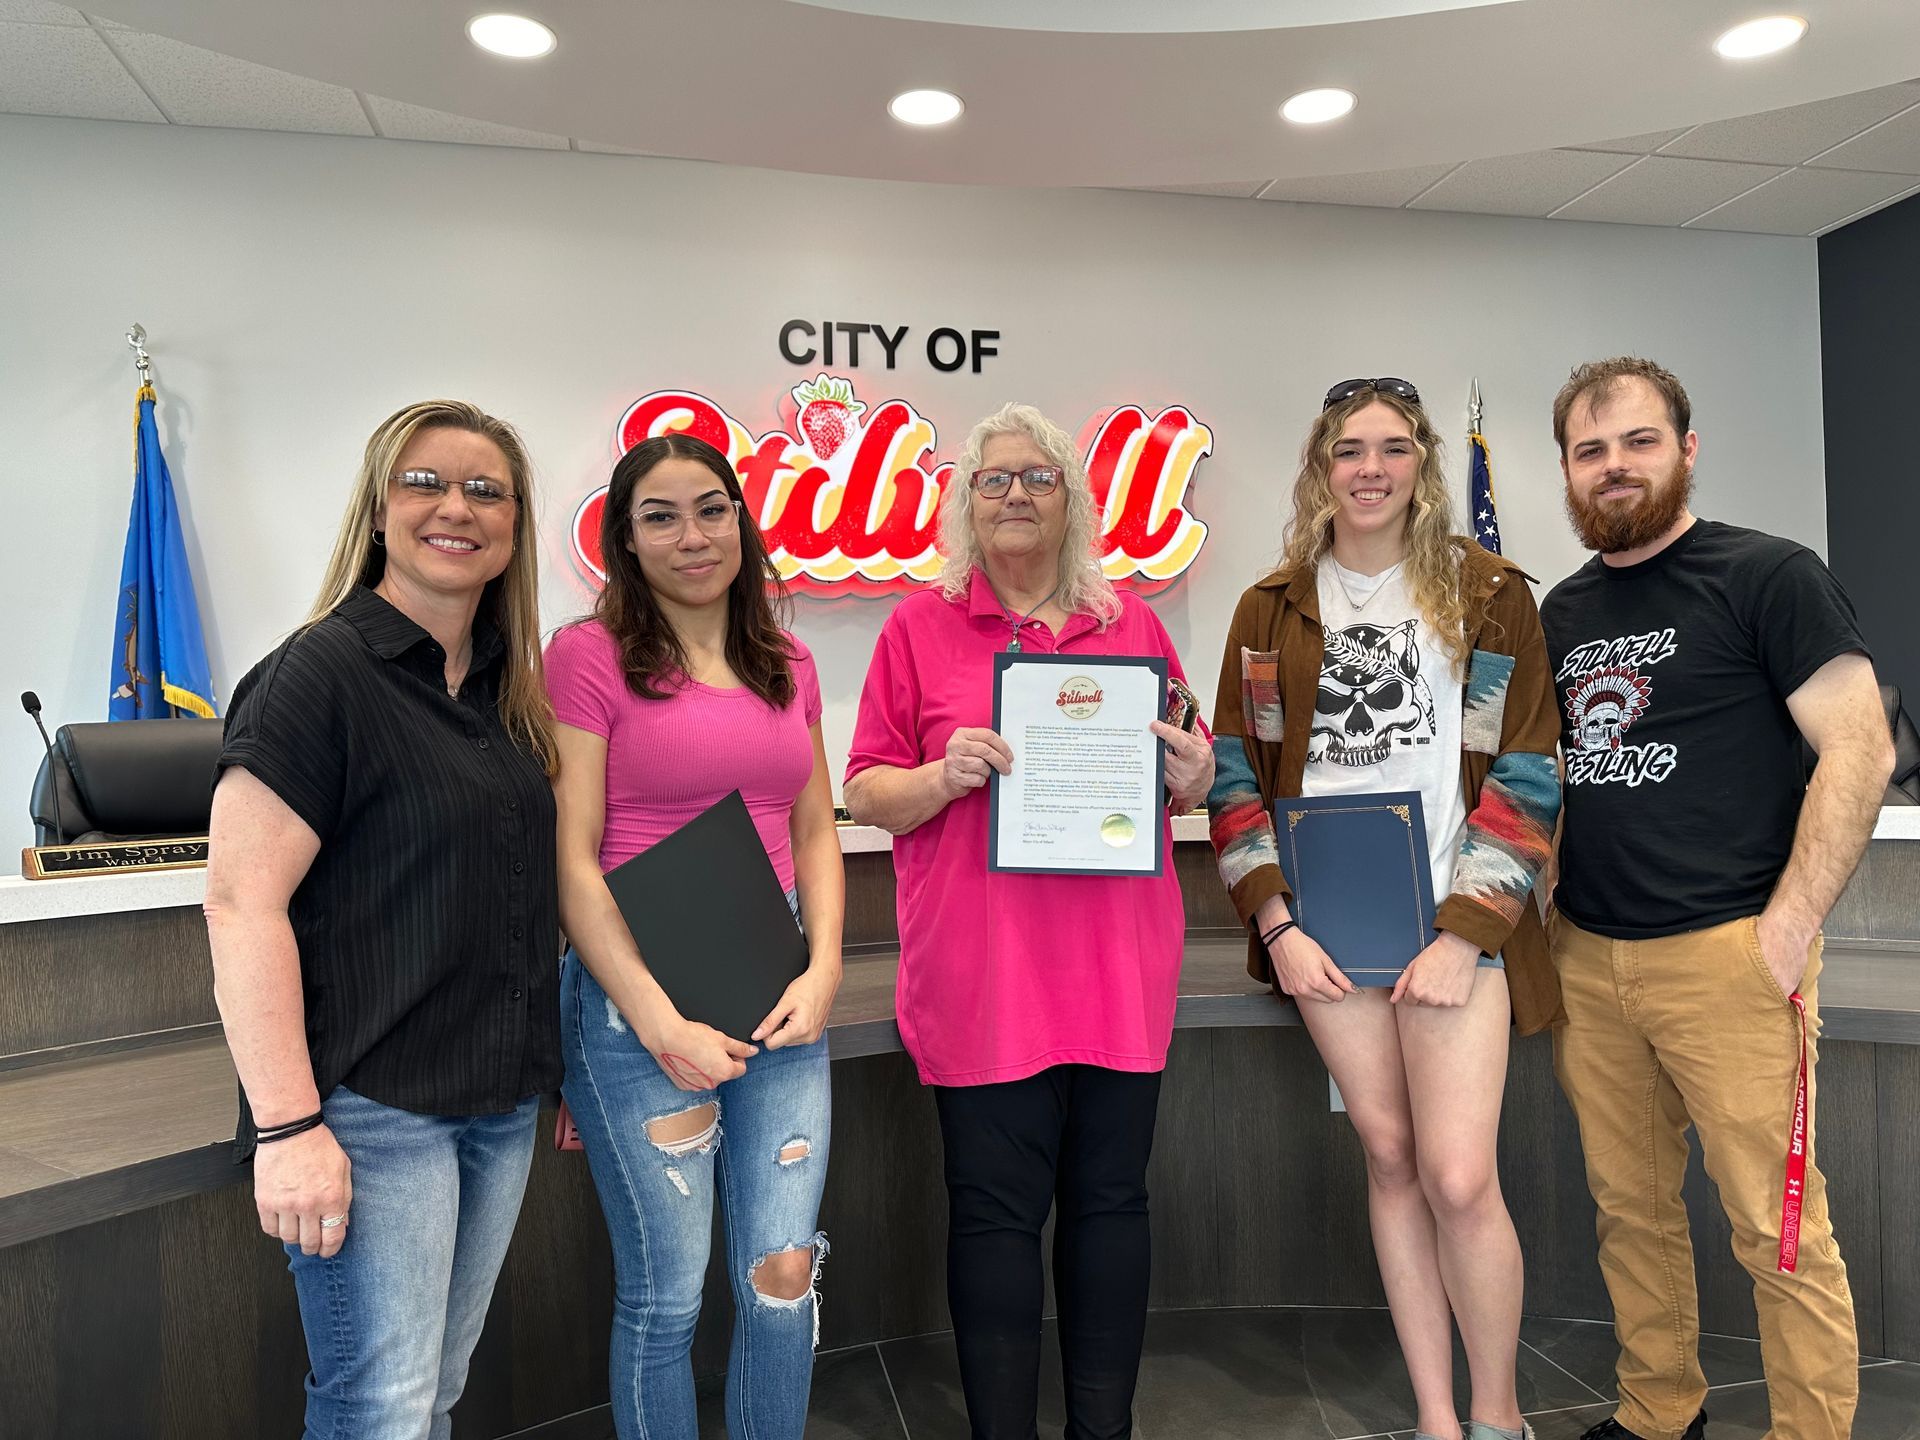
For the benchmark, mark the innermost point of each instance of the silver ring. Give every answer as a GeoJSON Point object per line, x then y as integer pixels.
{"type": "Point", "coordinates": [329, 1222]}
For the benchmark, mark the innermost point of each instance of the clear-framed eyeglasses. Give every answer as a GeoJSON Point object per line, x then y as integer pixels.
{"type": "Point", "coordinates": [664, 525]}
{"type": "Point", "coordinates": [424, 484]}
{"type": "Point", "coordinates": [1036, 480]}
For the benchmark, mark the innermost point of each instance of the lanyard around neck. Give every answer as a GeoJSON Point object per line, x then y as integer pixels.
{"type": "Point", "coordinates": [1013, 626]}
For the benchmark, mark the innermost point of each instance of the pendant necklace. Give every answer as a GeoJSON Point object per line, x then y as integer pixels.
{"type": "Point", "coordinates": [1013, 626]}
{"type": "Point", "coordinates": [1359, 605]}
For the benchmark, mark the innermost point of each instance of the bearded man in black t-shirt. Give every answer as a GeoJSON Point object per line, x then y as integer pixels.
{"type": "Point", "coordinates": [1696, 868]}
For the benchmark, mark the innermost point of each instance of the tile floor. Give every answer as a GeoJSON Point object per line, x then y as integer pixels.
{"type": "Point", "coordinates": [1300, 1374]}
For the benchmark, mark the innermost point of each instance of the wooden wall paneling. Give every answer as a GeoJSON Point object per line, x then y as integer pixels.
{"type": "Point", "coordinates": [1543, 1176]}
{"type": "Point", "coordinates": [108, 1313]}
{"type": "Point", "coordinates": [29, 1354]}
{"type": "Point", "coordinates": [1206, 900]}
{"type": "Point", "coordinates": [885, 1207]}
{"type": "Point", "coordinates": [1182, 1176]}
{"type": "Point", "coordinates": [544, 1349]}
{"type": "Point", "coordinates": [1892, 872]}
{"type": "Point", "coordinates": [227, 1306]}
{"type": "Point", "coordinates": [1271, 1138]}
{"type": "Point", "coordinates": [870, 917]}
{"type": "Point", "coordinates": [1847, 1149]}
{"type": "Point", "coordinates": [1853, 913]}
{"type": "Point", "coordinates": [1897, 1074]}
{"type": "Point", "coordinates": [86, 977]}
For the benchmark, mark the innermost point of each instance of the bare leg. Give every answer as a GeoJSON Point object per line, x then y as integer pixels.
{"type": "Point", "coordinates": [1456, 1065]}
{"type": "Point", "coordinates": [1360, 1043]}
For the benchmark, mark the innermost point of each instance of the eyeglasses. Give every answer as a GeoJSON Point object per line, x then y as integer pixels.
{"type": "Point", "coordinates": [659, 525]}
{"type": "Point", "coordinates": [1385, 385]}
{"type": "Point", "coordinates": [1036, 480]}
{"type": "Point", "coordinates": [479, 490]}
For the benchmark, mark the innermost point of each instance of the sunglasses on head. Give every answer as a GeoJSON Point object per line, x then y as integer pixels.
{"type": "Point", "coordinates": [1385, 385]}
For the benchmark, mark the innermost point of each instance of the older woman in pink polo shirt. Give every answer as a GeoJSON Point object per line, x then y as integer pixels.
{"type": "Point", "coordinates": [1040, 1007]}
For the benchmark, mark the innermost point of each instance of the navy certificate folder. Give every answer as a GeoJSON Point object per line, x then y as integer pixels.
{"type": "Point", "coordinates": [1361, 881]}
{"type": "Point", "coordinates": [711, 921]}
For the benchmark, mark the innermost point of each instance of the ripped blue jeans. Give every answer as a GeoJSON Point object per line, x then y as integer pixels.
{"type": "Point", "coordinates": [764, 1154]}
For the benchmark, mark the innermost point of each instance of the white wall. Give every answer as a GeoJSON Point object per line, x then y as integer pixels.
{"type": "Point", "coordinates": [297, 289]}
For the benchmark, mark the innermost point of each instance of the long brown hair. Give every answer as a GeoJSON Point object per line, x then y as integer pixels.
{"type": "Point", "coordinates": [1433, 550]}
{"type": "Point", "coordinates": [511, 600]}
{"type": "Point", "coordinates": [651, 655]}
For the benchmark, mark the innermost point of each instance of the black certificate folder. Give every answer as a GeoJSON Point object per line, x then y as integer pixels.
{"type": "Point", "coordinates": [711, 920]}
{"type": "Point", "coordinates": [1361, 881]}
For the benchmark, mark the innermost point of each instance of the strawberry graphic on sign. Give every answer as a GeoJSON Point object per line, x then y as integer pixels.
{"type": "Point", "coordinates": [848, 497]}
{"type": "Point", "coordinates": [826, 405]}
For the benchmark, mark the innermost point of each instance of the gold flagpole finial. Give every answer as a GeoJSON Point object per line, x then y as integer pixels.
{"type": "Point", "coordinates": [1473, 408]}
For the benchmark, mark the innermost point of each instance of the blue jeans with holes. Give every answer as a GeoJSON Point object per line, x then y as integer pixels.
{"type": "Point", "coordinates": [392, 1320]}
{"type": "Point", "coordinates": [765, 1156]}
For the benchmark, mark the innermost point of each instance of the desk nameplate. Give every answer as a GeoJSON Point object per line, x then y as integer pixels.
{"type": "Point", "coordinates": [113, 857]}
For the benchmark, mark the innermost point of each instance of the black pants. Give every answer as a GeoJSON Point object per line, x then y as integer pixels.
{"type": "Point", "coordinates": [1080, 1136]}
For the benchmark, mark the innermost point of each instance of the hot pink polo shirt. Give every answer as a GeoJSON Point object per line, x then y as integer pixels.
{"type": "Point", "coordinates": [1004, 975]}
{"type": "Point", "coordinates": [670, 759]}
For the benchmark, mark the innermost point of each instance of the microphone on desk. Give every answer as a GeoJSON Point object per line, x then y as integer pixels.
{"type": "Point", "coordinates": [30, 702]}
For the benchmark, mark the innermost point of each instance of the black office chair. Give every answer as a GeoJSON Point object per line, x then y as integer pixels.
{"type": "Point", "coordinates": [128, 780]}
{"type": "Point", "coordinates": [1903, 786]}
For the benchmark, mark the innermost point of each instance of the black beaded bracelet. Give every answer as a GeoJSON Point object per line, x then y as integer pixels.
{"type": "Point", "coordinates": [266, 1135]}
{"type": "Point", "coordinates": [1279, 930]}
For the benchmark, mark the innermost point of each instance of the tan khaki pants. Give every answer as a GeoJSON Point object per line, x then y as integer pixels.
{"type": "Point", "coordinates": [1694, 1027]}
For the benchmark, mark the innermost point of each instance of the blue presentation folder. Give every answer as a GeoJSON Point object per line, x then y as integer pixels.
{"type": "Point", "coordinates": [1361, 881]}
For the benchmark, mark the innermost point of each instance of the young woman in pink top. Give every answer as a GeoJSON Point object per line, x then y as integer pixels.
{"type": "Point", "coordinates": [1040, 1010]}
{"type": "Point", "coordinates": [680, 689]}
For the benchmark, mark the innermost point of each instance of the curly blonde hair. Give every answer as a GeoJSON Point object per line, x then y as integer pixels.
{"type": "Point", "coordinates": [1084, 587]}
{"type": "Point", "coordinates": [1434, 552]}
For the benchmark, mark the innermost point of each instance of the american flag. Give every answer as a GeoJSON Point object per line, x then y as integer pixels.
{"type": "Point", "coordinates": [1486, 520]}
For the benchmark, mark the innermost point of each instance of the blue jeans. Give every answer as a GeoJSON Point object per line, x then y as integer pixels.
{"type": "Point", "coordinates": [765, 1154]}
{"type": "Point", "coordinates": [392, 1319]}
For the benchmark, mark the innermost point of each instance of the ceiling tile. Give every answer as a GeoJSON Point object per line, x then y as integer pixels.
{"type": "Point", "coordinates": [1787, 137]}
{"type": "Point", "coordinates": [398, 120]}
{"type": "Point", "coordinates": [1862, 213]}
{"type": "Point", "coordinates": [66, 70]}
{"type": "Point", "coordinates": [1662, 191]}
{"type": "Point", "coordinates": [1800, 202]}
{"type": "Point", "coordinates": [1893, 145]}
{"type": "Point", "coordinates": [200, 87]}
{"type": "Point", "coordinates": [592, 147]}
{"type": "Point", "coordinates": [40, 12]}
{"type": "Point", "coordinates": [1636, 144]}
{"type": "Point", "coordinates": [1374, 187]}
{"type": "Point", "coordinates": [1537, 183]}
{"type": "Point", "coordinates": [1233, 189]}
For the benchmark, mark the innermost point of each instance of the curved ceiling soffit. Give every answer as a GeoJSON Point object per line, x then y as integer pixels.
{"type": "Point", "coordinates": [1146, 17]}
{"type": "Point", "coordinates": [801, 87]}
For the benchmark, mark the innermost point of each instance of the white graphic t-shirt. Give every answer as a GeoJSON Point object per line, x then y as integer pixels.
{"type": "Point", "coordinates": [1387, 714]}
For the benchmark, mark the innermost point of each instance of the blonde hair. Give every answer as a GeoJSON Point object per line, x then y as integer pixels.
{"type": "Point", "coordinates": [1084, 588]}
{"type": "Point", "coordinates": [511, 601]}
{"type": "Point", "coordinates": [1434, 552]}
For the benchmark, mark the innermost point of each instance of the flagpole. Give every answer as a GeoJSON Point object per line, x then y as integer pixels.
{"type": "Point", "coordinates": [1484, 520]}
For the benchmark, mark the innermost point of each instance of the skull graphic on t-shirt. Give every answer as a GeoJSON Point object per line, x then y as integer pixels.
{"type": "Point", "coordinates": [1371, 695]}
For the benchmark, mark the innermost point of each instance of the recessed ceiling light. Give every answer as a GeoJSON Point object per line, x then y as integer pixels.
{"type": "Point", "coordinates": [925, 107]}
{"type": "Point", "coordinates": [1760, 37]}
{"type": "Point", "coordinates": [1316, 107]}
{"type": "Point", "coordinates": [514, 36]}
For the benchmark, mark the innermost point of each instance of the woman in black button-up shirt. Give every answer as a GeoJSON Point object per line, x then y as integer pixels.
{"type": "Point", "coordinates": [381, 907]}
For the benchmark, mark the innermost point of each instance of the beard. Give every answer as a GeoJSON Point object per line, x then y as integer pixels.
{"type": "Point", "coordinates": [1609, 527]}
